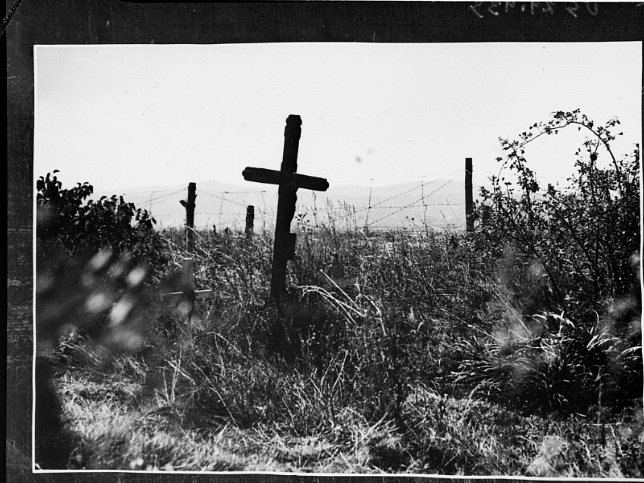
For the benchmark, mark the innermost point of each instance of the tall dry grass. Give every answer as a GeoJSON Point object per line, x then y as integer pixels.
{"type": "Point", "coordinates": [394, 351]}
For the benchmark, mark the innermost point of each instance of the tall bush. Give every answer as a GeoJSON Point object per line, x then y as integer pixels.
{"type": "Point", "coordinates": [68, 220]}
{"type": "Point", "coordinates": [582, 236]}
{"type": "Point", "coordinates": [569, 275]}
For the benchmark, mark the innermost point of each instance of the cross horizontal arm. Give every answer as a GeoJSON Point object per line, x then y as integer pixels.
{"type": "Point", "coordinates": [283, 178]}
{"type": "Point", "coordinates": [177, 296]}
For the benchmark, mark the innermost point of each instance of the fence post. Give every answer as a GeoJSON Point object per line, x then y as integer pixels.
{"type": "Point", "coordinates": [250, 220]}
{"type": "Point", "coordinates": [189, 205]}
{"type": "Point", "coordinates": [469, 198]}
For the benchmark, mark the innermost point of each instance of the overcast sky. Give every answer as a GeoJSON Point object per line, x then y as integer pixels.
{"type": "Point", "coordinates": [138, 115]}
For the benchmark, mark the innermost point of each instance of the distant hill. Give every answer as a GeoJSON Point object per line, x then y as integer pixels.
{"type": "Point", "coordinates": [437, 203]}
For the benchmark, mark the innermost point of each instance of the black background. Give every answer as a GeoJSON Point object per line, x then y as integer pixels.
{"type": "Point", "coordinates": [42, 22]}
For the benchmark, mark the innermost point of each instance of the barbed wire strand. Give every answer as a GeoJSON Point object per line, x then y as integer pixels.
{"type": "Point", "coordinates": [412, 203]}
{"type": "Point", "coordinates": [353, 211]}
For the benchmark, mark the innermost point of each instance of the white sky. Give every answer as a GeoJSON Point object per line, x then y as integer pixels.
{"type": "Point", "coordinates": [141, 115]}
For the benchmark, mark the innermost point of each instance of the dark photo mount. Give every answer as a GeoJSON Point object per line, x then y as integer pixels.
{"type": "Point", "coordinates": [74, 22]}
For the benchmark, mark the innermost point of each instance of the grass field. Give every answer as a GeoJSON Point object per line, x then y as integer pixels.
{"type": "Point", "coordinates": [394, 352]}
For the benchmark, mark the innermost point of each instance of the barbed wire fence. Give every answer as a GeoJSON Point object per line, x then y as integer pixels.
{"type": "Point", "coordinates": [416, 207]}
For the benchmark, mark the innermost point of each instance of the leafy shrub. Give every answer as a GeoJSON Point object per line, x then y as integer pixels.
{"type": "Point", "coordinates": [581, 236]}
{"type": "Point", "coordinates": [68, 220]}
{"type": "Point", "coordinates": [93, 262]}
{"type": "Point", "coordinates": [571, 250]}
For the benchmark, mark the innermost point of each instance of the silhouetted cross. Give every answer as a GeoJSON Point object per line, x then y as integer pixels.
{"type": "Point", "coordinates": [289, 181]}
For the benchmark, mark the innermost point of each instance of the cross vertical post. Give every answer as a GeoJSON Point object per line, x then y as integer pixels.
{"type": "Point", "coordinates": [284, 243]}
{"type": "Point", "coordinates": [188, 286]}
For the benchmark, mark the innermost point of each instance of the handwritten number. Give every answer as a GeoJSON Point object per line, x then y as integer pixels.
{"type": "Point", "coordinates": [474, 8]}
{"type": "Point", "coordinates": [573, 10]}
{"type": "Point", "coordinates": [548, 8]}
{"type": "Point", "coordinates": [533, 5]}
{"type": "Point", "coordinates": [592, 8]}
{"type": "Point", "coordinates": [491, 7]}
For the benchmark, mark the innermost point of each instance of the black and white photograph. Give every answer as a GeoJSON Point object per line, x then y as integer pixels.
{"type": "Point", "coordinates": [328, 257]}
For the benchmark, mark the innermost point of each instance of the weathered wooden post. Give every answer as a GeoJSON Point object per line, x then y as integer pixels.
{"type": "Point", "coordinates": [250, 220]}
{"type": "Point", "coordinates": [289, 182]}
{"type": "Point", "coordinates": [189, 205]}
{"type": "Point", "coordinates": [469, 198]}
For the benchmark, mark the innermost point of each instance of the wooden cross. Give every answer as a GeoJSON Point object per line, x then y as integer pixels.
{"type": "Point", "coordinates": [188, 292]}
{"type": "Point", "coordinates": [185, 299]}
{"type": "Point", "coordinates": [289, 182]}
